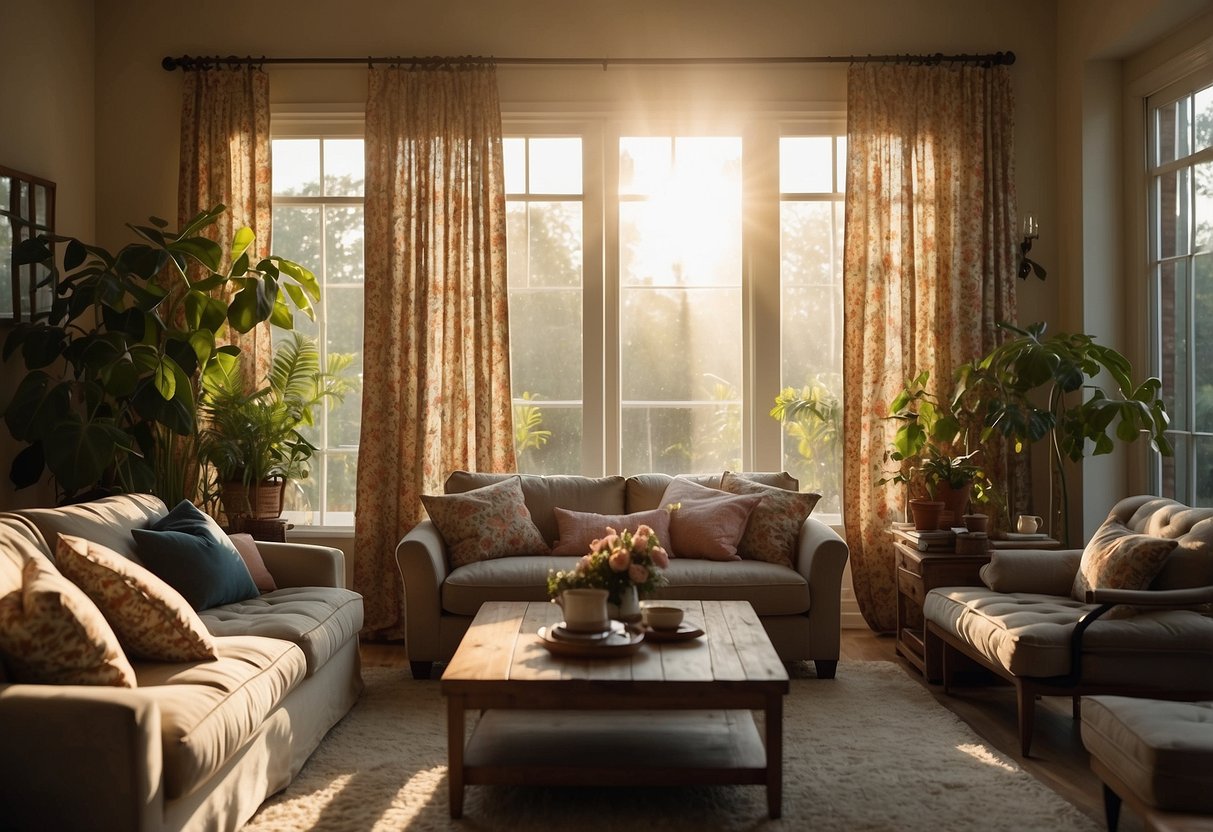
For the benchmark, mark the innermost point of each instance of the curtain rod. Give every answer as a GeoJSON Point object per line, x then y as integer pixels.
{"type": "Point", "coordinates": [188, 63]}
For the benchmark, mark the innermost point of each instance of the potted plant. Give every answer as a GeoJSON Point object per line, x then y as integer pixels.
{"type": "Point", "coordinates": [113, 368]}
{"type": "Point", "coordinates": [253, 440]}
{"type": "Point", "coordinates": [930, 455]}
{"type": "Point", "coordinates": [1032, 388]}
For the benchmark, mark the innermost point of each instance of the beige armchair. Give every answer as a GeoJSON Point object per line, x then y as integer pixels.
{"type": "Point", "coordinates": [1025, 626]}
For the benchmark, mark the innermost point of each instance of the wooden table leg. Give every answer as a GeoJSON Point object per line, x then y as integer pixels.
{"type": "Point", "coordinates": [454, 752]}
{"type": "Point", "coordinates": [774, 743]}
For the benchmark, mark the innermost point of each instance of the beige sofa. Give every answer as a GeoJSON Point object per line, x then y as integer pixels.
{"type": "Point", "coordinates": [1024, 625]}
{"type": "Point", "coordinates": [799, 607]}
{"type": "Point", "coordinates": [194, 745]}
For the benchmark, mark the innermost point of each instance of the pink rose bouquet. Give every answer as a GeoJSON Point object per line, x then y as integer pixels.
{"type": "Point", "coordinates": [615, 562]}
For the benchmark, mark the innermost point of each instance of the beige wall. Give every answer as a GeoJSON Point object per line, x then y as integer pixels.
{"type": "Point", "coordinates": [46, 129]}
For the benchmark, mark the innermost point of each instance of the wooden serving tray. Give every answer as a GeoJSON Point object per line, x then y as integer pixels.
{"type": "Point", "coordinates": [618, 643]}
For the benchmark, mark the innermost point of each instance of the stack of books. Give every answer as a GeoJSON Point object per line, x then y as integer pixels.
{"type": "Point", "coordinates": [939, 540]}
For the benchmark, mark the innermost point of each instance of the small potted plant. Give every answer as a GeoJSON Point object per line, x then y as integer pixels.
{"type": "Point", "coordinates": [626, 564]}
{"type": "Point", "coordinates": [253, 440]}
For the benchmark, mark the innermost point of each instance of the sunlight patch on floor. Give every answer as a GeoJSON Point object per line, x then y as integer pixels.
{"type": "Point", "coordinates": [984, 755]}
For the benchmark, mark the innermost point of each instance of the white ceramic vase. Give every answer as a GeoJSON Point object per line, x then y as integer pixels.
{"type": "Point", "coordinates": [629, 605]}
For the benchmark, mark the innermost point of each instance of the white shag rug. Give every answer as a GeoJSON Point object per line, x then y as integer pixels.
{"type": "Point", "coordinates": [870, 750]}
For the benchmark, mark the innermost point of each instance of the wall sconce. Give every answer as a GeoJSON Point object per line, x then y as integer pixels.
{"type": "Point", "coordinates": [1031, 231]}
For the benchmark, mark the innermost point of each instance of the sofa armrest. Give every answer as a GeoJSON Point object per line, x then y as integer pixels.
{"type": "Point", "coordinates": [80, 758]}
{"type": "Point", "coordinates": [1037, 571]}
{"type": "Point", "coordinates": [1174, 598]}
{"type": "Point", "coordinates": [821, 557]}
{"type": "Point", "coordinates": [303, 564]}
{"type": "Point", "coordinates": [421, 557]}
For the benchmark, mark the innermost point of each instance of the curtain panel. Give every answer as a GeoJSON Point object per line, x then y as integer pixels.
{"type": "Point", "coordinates": [436, 392]}
{"type": "Point", "coordinates": [225, 159]}
{"type": "Point", "coordinates": [928, 270]}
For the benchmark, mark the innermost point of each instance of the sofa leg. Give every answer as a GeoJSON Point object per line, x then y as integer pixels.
{"type": "Point", "coordinates": [1026, 702]}
{"type": "Point", "coordinates": [1111, 808]}
{"type": "Point", "coordinates": [1076, 708]}
{"type": "Point", "coordinates": [421, 670]}
{"type": "Point", "coordinates": [826, 668]}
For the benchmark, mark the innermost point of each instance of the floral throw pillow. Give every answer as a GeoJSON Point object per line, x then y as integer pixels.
{"type": "Point", "coordinates": [152, 620]}
{"type": "Point", "coordinates": [774, 526]}
{"type": "Point", "coordinates": [1119, 558]}
{"type": "Point", "coordinates": [578, 529]}
{"type": "Point", "coordinates": [51, 633]}
{"type": "Point", "coordinates": [705, 523]}
{"type": "Point", "coordinates": [485, 523]}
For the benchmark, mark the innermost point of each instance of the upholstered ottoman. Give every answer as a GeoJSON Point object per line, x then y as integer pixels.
{"type": "Point", "coordinates": [1156, 755]}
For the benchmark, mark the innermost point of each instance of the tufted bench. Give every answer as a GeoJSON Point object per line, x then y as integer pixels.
{"type": "Point", "coordinates": [1024, 624]}
{"type": "Point", "coordinates": [1156, 756]}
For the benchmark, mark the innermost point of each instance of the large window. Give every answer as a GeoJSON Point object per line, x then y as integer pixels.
{"type": "Point", "coordinates": [645, 284]}
{"type": "Point", "coordinates": [1180, 156]}
{"type": "Point", "coordinates": [318, 187]}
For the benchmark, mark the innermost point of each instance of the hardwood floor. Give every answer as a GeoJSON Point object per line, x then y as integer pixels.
{"type": "Point", "coordinates": [1058, 758]}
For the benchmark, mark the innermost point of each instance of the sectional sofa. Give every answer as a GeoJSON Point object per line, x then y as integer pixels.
{"type": "Point", "coordinates": [194, 745]}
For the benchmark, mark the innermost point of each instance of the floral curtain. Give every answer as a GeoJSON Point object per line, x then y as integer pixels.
{"type": "Point", "coordinates": [436, 392]}
{"type": "Point", "coordinates": [225, 159]}
{"type": "Point", "coordinates": [928, 268]}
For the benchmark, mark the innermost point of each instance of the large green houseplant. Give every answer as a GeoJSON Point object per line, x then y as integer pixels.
{"type": "Point", "coordinates": [253, 440]}
{"type": "Point", "coordinates": [114, 368]}
{"type": "Point", "coordinates": [1033, 388]}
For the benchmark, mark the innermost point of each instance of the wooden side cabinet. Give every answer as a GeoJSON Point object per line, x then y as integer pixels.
{"type": "Point", "coordinates": [917, 574]}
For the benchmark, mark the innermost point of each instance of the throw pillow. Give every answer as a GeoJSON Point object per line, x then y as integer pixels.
{"type": "Point", "coordinates": [51, 633]}
{"type": "Point", "coordinates": [1119, 558]}
{"type": "Point", "coordinates": [578, 529]}
{"type": "Point", "coordinates": [707, 523]}
{"type": "Point", "coordinates": [151, 618]}
{"type": "Point", "coordinates": [773, 529]}
{"type": "Point", "coordinates": [188, 550]}
{"type": "Point", "coordinates": [485, 523]}
{"type": "Point", "coordinates": [247, 547]}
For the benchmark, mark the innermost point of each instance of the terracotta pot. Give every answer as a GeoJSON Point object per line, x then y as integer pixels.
{"type": "Point", "coordinates": [926, 514]}
{"type": "Point", "coordinates": [955, 503]}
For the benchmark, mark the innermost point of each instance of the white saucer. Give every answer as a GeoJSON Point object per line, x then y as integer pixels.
{"type": "Point", "coordinates": [562, 632]}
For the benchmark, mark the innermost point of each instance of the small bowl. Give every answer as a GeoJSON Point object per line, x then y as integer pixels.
{"type": "Point", "coordinates": [662, 618]}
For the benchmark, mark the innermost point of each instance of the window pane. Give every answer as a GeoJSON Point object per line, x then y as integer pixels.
{"type": "Point", "coordinates": [1173, 329]}
{"type": "Point", "coordinates": [679, 440]}
{"type": "Point", "coordinates": [644, 164]}
{"type": "Point", "coordinates": [556, 452]}
{"type": "Point", "coordinates": [1176, 470]}
{"type": "Point", "coordinates": [297, 234]}
{"type": "Point", "coordinates": [1204, 472]}
{"type": "Point", "coordinates": [1203, 207]}
{"type": "Point", "coordinates": [681, 240]}
{"type": "Point", "coordinates": [517, 244]}
{"type": "Point", "coordinates": [6, 266]}
{"type": "Point", "coordinates": [344, 167]}
{"type": "Point", "coordinates": [1173, 127]}
{"type": "Point", "coordinates": [841, 187]}
{"type": "Point", "coordinates": [341, 485]}
{"type": "Point", "coordinates": [343, 238]}
{"type": "Point", "coordinates": [806, 231]}
{"type": "Point", "coordinates": [555, 166]}
{"type": "Point", "coordinates": [296, 167]}
{"type": "Point", "coordinates": [545, 343]}
{"type": "Point", "coordinates": [806, 164]}
{"type": "Point", "coordinates": [1202, 349]}
{"type": "Point", "coordinates": [514, 153]}
{"type": "Point", "coordinates": [554, 243]}
{"type": "Point", "coordinates": [1174, 213]}
{"type": "Point", "coordinates": [1203, 106]}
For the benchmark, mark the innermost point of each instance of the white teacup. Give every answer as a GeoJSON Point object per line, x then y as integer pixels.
{"type": "Point", "coordinates": [585, 610]}
{"type": "Point", "coordinates": [1028, 523]}
{"type": "Point", "coordinates": [662, 618]}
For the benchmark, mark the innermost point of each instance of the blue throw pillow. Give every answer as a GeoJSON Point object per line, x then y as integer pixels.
{"type": "Point", "coordinates": [190, 552]}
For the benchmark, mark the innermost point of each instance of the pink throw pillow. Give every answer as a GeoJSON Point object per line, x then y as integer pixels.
{"type": "Point", "coordinates": [578, 529]}
{"type": "Point", "coordinates": [707, 523]}
{"type": "Point", "coordinates": [251, 555]}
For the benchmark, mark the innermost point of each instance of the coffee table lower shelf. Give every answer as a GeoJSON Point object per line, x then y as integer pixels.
{"type": "Point", "coordinates": [605, 748]}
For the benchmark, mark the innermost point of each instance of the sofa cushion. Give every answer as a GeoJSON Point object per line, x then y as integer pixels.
{"type": "Point", "coordinates": [251, 555]}
{"type": "Point", "coordinates": [107, 521]}
{"type": "Point", "coordinates": [579, 529]}
{"type": "Point", "coordinates": [543, 493]}
{"type": "Point", "coordinates": [485, 523]}
{"type": "Point", "coordinates": [152, 620]}
{"type": "Point", "coordinates": [51, 633]}
{"type": "Point", "coordinates": [645, 491]}
{"type": "Point", "coordinates": [774, 525]}
{"type": "Point", "coordinates": [1191, 564]}
{"type": "Point", "coordinates": [770, 588]}
{"type": "Point", "coordinates": [1163, 751]}
{"type": "Point", "coordinates": [189, 550]}
{"type": "Point", "coordinates": [1118, 558]}
{"type": "Point", "coordinates": [706, 522]}
{"type": "Point", "coordinates": [208, 710]}
{"type": "Point", "coordinates": [1028, 570]}
{"type": "Point", "coordinates": [320, 620]}
{"type": "Point", "coordinates": [1029, 635]}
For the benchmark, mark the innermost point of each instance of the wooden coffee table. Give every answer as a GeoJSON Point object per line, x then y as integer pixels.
{"type": "Point", "coordinates": [680, 711]}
